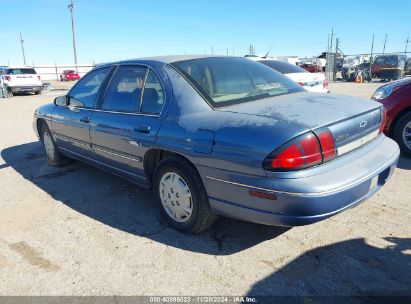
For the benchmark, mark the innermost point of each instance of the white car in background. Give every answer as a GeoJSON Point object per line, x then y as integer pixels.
{"type": "Point", "coordinates": [22, 80]}
{"type": "Point", "coordinates": [312, 82]}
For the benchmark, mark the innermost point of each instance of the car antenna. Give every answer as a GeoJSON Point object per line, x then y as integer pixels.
{"type": "Point", "coordinates": [268, 52]}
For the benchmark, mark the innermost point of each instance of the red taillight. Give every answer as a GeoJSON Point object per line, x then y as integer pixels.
{"type": "Point", "coordinates": [300, 153]}
{"type": "Point", "coordinates": [301, 83]}
{"type": "Point", "coordinates": [290, 157]}
{"type": "Point", "coordinates": [327, 145]}
{"type": "Point", "coordinates": [8, 78]}
{"type": "Point", "coordinates": [304, 151]}
{"type": "Point", "coordinates": [311, 150]}
{"type": "Point", "coordinates": [325, 84]}
{"type": "Point", "coordinates": [383, 120]}
{"type": "Point", "coordinates": [38, 77]}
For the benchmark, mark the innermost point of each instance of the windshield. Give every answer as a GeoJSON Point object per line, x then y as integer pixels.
{"type": "Point", "coordinates": [226, 80]}
{"type": "Point", "coordinates": [283, 67]}
{"type": "Point", "coordinates": [70, 72]}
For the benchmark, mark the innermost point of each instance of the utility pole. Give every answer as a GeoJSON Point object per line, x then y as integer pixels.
{"type": "Point", "coordinates": [71, 8]}
{"type": "Point", "coordinates": [385, 42]}
{"type": "Point", "coordinates": [406, 45]}
{"type": "Point", "coordinates": [330, 68]}
{"type": "Point", "coordinates": [332, 38]}
{"type": "Point", "coordinates": [337, 43]}
{"type": "Point", "coordinates": [371, 57]}
{"type": "Point", "coordinates": [22, 48]}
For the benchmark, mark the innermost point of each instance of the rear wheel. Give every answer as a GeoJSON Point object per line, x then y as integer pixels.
{"type": "Point", "coordinates": [181, 196]}
{"type": "Point", "coordinates": [54, 157]}
{"type": "Point", "coordinates": [38, 92]}
{"type": "Point", "coordinates": [402, 133]}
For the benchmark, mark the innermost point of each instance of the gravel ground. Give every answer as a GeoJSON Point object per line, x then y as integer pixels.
{"type": "Point", "coordinates": [79, 231]}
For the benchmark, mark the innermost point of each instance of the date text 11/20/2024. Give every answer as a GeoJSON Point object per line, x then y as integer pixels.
{"type": "Point", "coordinates": [203, 299]}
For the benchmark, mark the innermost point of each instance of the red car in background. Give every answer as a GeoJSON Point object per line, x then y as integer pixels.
{"type": "Point", "coordinates": [396, 98]}
{"type": "Point", "coordinates": [69, 75]}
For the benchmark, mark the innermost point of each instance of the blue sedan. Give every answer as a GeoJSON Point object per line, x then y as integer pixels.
{"type": "Point", "coordinates": [221, 136]}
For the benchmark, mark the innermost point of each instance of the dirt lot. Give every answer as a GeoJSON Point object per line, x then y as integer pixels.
{"type": "Point", "coordinates": [80, 231]}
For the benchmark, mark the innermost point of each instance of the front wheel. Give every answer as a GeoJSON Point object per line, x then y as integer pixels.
{"type": "Point", "coordinates": [181, 195]}
{"type": "Point", "coordinates": [402, 133]}
{"type": "Point", "coordinates": [54, 157]}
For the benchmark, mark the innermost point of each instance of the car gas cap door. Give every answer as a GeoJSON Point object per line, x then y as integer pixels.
{"type": "Point", "coordinates": [203, 141]}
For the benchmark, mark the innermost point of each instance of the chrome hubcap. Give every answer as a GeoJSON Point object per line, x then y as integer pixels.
{"type": "Point", "coordinates": [176, 197]}
{"type": "Point", "coordinates": [48, 145]}
{"type": "Point", "coordinates": [406, 135]}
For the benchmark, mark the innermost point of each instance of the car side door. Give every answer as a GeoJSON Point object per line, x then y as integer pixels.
{"type": "Point", "coordinates": [71, 122]}
{"type": "Point", "coordinates": [126, 124]}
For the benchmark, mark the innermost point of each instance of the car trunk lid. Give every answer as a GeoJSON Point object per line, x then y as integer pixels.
{"type": "Point", "coordinates": [352, 121]}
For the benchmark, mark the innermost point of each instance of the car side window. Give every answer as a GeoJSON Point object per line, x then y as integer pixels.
{"type": "Point", "coordinates": [124, 91]}
{"type": "Point", "coordinates": [379, 60]}
{"type": "Point", "coordinates": [84, 93]}
{"type": "Point", "coordinates": [153, 95]}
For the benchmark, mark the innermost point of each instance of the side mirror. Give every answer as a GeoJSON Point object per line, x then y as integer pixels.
{"type": "Point", "coordinates": [61, 101]}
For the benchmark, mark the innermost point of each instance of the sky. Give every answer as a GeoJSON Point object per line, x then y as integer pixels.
{"type": "Point", "coordinates": [109, 30]}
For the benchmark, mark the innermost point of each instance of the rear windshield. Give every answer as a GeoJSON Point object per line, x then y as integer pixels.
{"type": "Point", "coordinates": [225, 81]}
{"type": "Point", "coordinates": [283, 67]}
{"type": "Point", "coordinates": [70, 72]}
{"type": "Point", "coordinates": [21, 71]}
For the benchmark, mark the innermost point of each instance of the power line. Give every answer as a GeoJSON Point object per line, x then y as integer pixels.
{"type": "Point", "coordinates": [71, 8]}
{"type": "Point", "coordinates": [22, 48]}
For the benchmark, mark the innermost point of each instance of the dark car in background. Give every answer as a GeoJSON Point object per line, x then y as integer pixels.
{"type": "Point", "coordinates": [222, 136]}
{"type": "Point", "coordinates": [408, 67]}
{"type": "Point", "coordinates": [351, 73]}
{"type": "Point", "coordinates": [396, 98]}
{"type": "Point", "coordinates": [69, 75]}
{"type": "Point", "coordinates": [389, 67]}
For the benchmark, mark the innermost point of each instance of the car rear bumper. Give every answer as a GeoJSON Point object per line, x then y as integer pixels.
{"type": "Point", "coordinates": [308, 198]}
{"type": "Point", "coordinates": [24, 89]}
{"type": "Point", "coordinates": [317, 89]}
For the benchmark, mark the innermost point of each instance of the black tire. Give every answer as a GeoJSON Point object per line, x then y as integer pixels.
{"type": "Point", "coordinates": [398, 133]}
{"type": "Point", "coordinates": [201, 217]}
{"type": "Point", "coordinates": [56, 159]}
{"type": "Point", "coordinates": [38, 92]}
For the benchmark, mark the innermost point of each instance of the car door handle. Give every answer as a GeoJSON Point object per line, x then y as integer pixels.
{"type": "Point", "coordinates": [85, 119]}
{"type": "Point", "coordinates": [142, 129]}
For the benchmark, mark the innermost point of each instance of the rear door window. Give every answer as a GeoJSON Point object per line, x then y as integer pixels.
{"type": "Point", "coordinates": [124, 91]}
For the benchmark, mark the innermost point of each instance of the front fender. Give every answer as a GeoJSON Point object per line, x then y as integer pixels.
{"type": "Point", "coordinates": [45, 113]}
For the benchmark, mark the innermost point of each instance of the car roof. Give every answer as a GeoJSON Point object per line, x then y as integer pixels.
{"type": "Point", "coordinates": [20, 67]}
{"type": "Point", "coordinates": [171, 58]}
